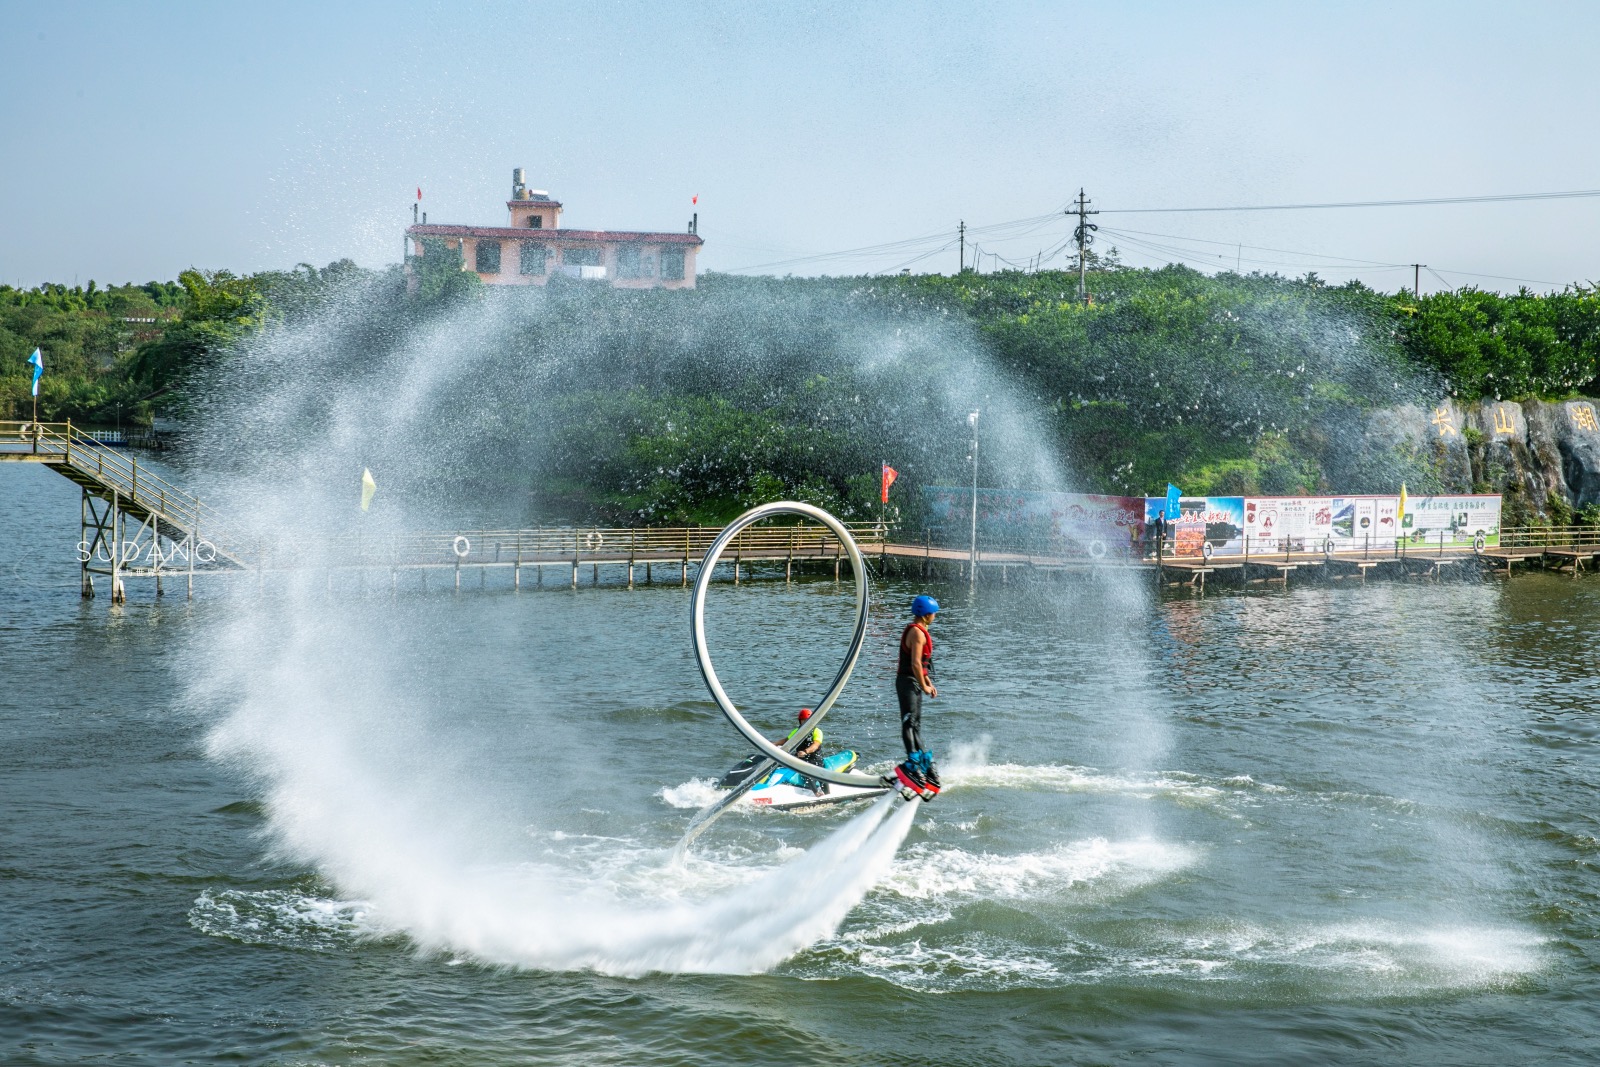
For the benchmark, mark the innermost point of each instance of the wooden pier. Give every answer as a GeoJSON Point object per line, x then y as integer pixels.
{"type": "Point", "coordinates": [136, 525]}
{"type": "Point", "coordinates": [132, 523]}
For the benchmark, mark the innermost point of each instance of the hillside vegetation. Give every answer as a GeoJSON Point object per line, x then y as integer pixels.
{"type": "Point", "coordinates": [688, 405]}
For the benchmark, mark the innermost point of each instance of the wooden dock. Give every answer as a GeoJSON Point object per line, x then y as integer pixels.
{"type": "Point", "coordinates": [135, 525]}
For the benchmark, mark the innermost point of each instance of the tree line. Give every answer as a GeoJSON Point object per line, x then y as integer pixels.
{"type": "Point", "coordinates": [684, 406]}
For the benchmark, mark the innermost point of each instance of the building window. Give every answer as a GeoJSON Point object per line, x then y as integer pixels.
{"type": "Point", "coordinates": [532, 258]}
{"type": "Point", "coordinates": [535, 222]}
{"type": "Point", "coordinates": [672, 264]}
{"type": "Point", "coordinates": [630, 262]}
{"type": "Point", "coordinates": [487, 260]}
{"type": "Point", "coordinates": [581, 257]}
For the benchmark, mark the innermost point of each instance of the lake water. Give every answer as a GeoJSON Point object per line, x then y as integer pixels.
{"type": "Point", "coordinates": [1333, 823]}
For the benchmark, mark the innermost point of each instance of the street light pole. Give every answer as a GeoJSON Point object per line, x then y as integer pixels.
{"type": "Point", "coordinates": [972, 559]}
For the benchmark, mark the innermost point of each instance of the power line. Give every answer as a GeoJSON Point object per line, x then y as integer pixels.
{"type": "Point", "coordinates": [1262, 248]}
{"type": "Point", "coordinates": [1364, 266]}
{"type": "Point", "coordinates": [931, 244]}
{"type": "Point", "coordinates": [1574, 194]}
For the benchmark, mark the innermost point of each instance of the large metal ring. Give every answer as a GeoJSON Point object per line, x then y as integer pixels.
{"type": "Point", "coordinates": [697, 630]}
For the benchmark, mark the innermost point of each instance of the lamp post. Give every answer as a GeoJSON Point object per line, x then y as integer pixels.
{"type": "Point", "coordinates": [972, 560]}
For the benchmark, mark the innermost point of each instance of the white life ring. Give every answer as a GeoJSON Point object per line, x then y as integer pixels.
{"type": "Point", "coordinates": [593, 540]}
{"type": "Point", "coordinates": [461, 546]}
{"type": "Point", "coordinates": [1097, 550]}
{"type": "Point", "coordinates": [1480, 542]}
{"type": "Point", "coordinates": [1206, 549]}
{"type": "Point", "coordinates": [1327, 548]}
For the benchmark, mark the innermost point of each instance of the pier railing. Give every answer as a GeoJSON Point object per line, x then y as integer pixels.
{"type": "Point", "coordinates": [105, 471]}
{"type": "Point", "coordinates": [1549, 536]}
{"type": "Point", "coordinates": [586, 544]}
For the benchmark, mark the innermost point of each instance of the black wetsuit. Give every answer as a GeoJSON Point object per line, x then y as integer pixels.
{"type": "Point", "coordinates": [909, 692]}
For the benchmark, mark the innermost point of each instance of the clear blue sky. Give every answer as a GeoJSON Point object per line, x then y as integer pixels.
{"type": "Point", "coordinates": [141, 139]}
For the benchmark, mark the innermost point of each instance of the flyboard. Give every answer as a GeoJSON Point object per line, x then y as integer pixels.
{"type": "Point", "coordinates": [771, 757]}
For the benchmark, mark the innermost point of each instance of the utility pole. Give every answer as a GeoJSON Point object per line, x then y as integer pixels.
{"type": "Point", "coordinates": [962, 230]}
{"type": "Point", "coordinates": [1084, 235]}
{"type": "Point", "coordinates": [1416, 280]}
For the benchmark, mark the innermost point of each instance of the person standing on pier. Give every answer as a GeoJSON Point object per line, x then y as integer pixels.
{"type": "Point", "coordinates": [914, 680]}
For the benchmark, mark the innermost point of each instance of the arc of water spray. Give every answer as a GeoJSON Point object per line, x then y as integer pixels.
{"type": "Point", "coordinates": [697, 629]}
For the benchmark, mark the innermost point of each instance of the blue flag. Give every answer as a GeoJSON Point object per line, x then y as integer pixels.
{"type": "Point", "coordinates": [36, 361]}
{"type": "Point", "coordinates": [1173, 511]}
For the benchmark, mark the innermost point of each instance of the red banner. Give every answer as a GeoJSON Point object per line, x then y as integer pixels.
{"type": "Point", "coordinates": [889, 475]}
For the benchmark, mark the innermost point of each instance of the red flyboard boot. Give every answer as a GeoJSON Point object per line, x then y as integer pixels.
{"type": "Point", "coordinates": [913, 783]}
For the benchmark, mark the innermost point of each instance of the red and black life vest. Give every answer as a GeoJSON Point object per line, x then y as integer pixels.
{"type": "Point", "coordinates": [904, 670]}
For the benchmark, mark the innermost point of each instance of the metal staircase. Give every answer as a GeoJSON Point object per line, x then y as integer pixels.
{"type": "Point", "coordinates": [133, 522]}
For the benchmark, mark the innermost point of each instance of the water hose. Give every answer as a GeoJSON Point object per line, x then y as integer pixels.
{"type": "Point", "coordinates": [702, 655]}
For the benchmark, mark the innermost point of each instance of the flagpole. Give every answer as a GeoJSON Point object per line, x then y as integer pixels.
{"type": "Point", "coordinates": [37, 361]}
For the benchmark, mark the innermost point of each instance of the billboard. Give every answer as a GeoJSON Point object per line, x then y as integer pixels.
{"type": "Point", "coordinates": [1215, 519]}
{"type": "Point", "coordinates": [1097, 526]}
{"type": "Point", "coordinates": [1365, 522]}
{"type": "Point", "coordinates": [1459, 520]}
{"type": "Point", "coordinates": [1288, 523]}
{"type": "Point", "coordinates": [1092, 524]}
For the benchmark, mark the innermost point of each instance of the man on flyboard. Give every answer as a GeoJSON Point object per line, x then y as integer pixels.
{"type": "Point", "coordinates": [914, 680]}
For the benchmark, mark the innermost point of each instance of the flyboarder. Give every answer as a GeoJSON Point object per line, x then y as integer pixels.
{"type": "Point", "coordinates": [914, 680]}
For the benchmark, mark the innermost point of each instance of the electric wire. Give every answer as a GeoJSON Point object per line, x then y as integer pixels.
{"type": "Point", "coordinates": [924, 247]}
{"type": "Point", "coordinates": [1497, 198]}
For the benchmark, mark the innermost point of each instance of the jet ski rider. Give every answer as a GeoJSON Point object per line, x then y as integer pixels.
{"type": "Point", "coordinates": [914, 680]}
{"type": "Point", "coordinates": [810, 750]}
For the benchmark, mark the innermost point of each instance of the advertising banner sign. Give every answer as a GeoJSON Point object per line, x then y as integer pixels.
{"type": "Point", "coordinates": [1092, 524]}
{"type": "Point", "coordinates": [1288, 523]}
{"type": "Point", "coordinates": [1217, 520]}
{"type": "Point", "coordinates": [1365, 522]}
{"type": "Point", "coordinates": [1460, 520]}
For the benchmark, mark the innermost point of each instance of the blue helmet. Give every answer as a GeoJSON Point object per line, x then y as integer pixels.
{"type": "Point", "coordinates": [924, 605]}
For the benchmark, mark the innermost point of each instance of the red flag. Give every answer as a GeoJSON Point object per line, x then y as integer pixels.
{"type": "Point", "coordinates": [695, 199]}
{"type": "Point", "coordinates": [419, 192]}
{"type": "Point", "coordinates": [889, 475]}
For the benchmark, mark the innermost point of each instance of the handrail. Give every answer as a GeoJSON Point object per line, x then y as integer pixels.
{"type": "Point", "coordinates": [141, 488]}
{"type": "Point", "coordinates": [178, 507]}
{"type": "Point", "coordinates": [592, 543]}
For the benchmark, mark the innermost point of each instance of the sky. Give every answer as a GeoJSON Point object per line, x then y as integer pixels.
{"type": "Point", "coordinates": [139, 140]}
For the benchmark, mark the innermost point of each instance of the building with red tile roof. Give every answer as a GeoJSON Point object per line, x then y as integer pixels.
{"type": "Point", "coordinates": [533, 248]}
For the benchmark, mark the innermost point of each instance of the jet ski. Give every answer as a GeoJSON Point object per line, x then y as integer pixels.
{"type": "Point", "coordinates": [785, 788]}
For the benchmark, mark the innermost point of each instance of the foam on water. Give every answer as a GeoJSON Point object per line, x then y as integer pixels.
{"type": "Point", "coordinates": [693, 794]}
{"type": "Point", "coordinates": [929, 872]}
{"type": "Point", "coordinates": [969, 767]}
{"type": "Point", "coordinates": [282, 917]}
{"type": "Point", "coordinates": [1236, 960]}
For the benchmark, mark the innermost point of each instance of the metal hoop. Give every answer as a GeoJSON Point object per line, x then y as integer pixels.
{"type": "Point", "coordinates": [461, 546]}
{"type": "Point", "coordinates": [702, 655]}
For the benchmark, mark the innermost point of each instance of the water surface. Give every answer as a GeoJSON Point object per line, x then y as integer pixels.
{"type": "Point", "coordinates": [1337, 823]}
